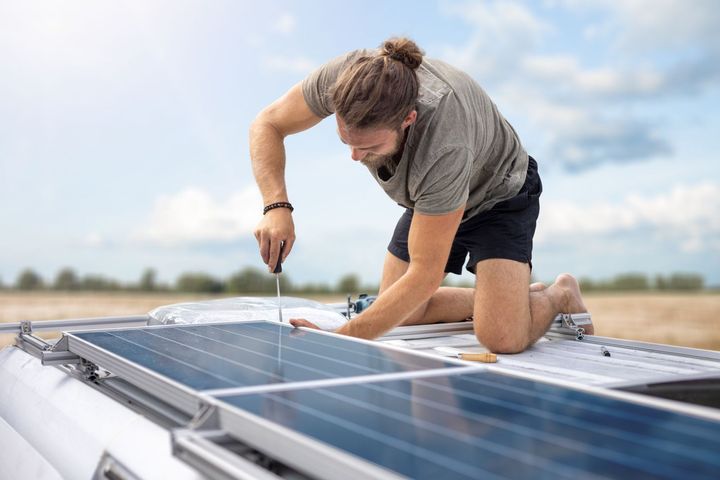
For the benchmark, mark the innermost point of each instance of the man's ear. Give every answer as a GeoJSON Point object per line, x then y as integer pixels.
{"type": "Point", "coordinates": [410, 119]}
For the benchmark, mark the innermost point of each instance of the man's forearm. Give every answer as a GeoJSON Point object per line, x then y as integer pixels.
{"type": "Point", "coordinates": [267, 152]}
{"type": "Point", "coordinates": [393, 306]}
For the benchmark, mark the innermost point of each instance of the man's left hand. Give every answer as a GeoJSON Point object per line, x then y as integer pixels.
{"type": "Point", "coordinates": [301, 322]}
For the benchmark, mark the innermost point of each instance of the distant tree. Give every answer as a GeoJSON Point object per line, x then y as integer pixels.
{"type": "Point", "coordinates": [686, 281]}
{"type": "Point", "coordinates": [29, 280]}
{"type": "Point", "coordinates": [148, 280]}
{"type": "Point", "coordinates": [198, 282]}
{"type": "Point", "coordinates": [661, 282]}
{"type": "Point", "coordinates": [587, 284]}
{"type": "Point", "coordinates": [253, 280]}
{"type": "Point", "coordinates": [680, 281]}
{"type": "Point", "coordinates": [313, 288]}
{"type": "Point", "coordinates": [370, 289]}
{"type": "Point", "coordinates": [631, 281]}
{"type": "Point", "coordinates": [66, 280]}
{"type": "Point", "coordinates": [98, 283]}
{"type": "Point", "coordinates": [349, 283]}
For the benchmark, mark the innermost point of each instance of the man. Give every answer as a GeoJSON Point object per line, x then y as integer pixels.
{"type": "Point", "coordinates": [437, 145]}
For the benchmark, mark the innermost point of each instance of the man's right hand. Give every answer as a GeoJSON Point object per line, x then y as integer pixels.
{"type": "Point", "coordinates": [275, 227]}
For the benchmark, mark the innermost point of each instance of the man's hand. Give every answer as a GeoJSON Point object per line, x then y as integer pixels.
{"type": "Point", "coordinates": [301, 322]}
{"type": "Point", "coordinates": [275, 227]}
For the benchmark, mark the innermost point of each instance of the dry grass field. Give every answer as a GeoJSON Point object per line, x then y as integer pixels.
{"type": "Point", "coordinates": [687, 319]}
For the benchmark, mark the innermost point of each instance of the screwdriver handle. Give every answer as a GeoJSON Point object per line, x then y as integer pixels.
{"type": "Point", "coordinates": [278, 265]}
{"type": "Point", "coordinates": [479, 357]}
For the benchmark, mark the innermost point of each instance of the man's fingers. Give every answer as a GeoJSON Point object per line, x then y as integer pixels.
{"type": "Point", "coordinates": [264, 243]}
{"type": "Point", "coordinates": [288, 247]}
{"type": "Point", "coordinates": [301, 322]}
{"type": "Point", "coordinates": [273, 256]}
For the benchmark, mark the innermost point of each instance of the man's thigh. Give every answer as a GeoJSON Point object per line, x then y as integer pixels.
{"type": "Point", "coordinates": [502, 300]}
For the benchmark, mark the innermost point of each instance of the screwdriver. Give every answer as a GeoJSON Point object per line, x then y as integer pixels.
{"type": "Point", "coordinates": [277, 272]}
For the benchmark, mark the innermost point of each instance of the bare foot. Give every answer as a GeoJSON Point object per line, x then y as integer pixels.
{"type": "Point", "coordinates": [537, 287]}
{"type": "Point", "coordinates": [571, 300]}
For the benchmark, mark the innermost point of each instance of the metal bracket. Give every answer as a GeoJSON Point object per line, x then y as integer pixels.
{"type": "Point", "coordinates": [206, 418]}
{"type": "Point", "coordinates": [574, 322]}
{"type": "Point", "coordinates": [88, 370]}
{"type": "Point", "coordinates": [59, 354]}
{"type": "Point", "coordinates": [26, 327]}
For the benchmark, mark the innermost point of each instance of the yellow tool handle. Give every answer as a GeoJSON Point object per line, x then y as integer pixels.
{"type": "Point", "coordinates": [479, 357]}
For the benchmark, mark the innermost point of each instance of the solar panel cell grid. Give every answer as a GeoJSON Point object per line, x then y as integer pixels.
{"type": "Point", "coordinates": [205, 357]}
{"type": "Point", "coordinates": [489, 425]}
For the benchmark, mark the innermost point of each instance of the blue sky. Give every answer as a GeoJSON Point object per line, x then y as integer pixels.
{"type": "Point", "coordinates": [123, 131]}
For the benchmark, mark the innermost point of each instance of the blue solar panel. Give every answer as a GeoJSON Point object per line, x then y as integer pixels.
{"type": "Point", "coordinates": [205, 357]}
{"type": "Point", "coordinates": [486, 425]}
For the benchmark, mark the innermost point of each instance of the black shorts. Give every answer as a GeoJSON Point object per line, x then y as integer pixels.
{"type": "Point", "coordinates": [504, 231]}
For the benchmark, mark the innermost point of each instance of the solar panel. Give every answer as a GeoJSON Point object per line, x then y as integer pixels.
{"type": "Point", "coordinates": [238, 355]}
{"type": "Point", "coordinates": [484, 425]}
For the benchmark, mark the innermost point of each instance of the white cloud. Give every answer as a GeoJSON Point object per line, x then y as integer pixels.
{"type": "Point", "coordinates": [193, 217]}
{"type": "Point", "coordinates": [564, 73]}
{"type": "Point", "coordinates": [93, 240]}
{"type": "Point", "coordinates": [590, 114]}
{"type": "Point", "coordinates": [296, 65]}
{"type": "Point", "coordinates": [581, 136]}
{"type": "Point", "coordinates": [502, 33]}
{"type": "Point", "coordinates": [689, 215]}
{"type": "Point", "coordinates": [649, 24]}
{"type": "Point", "coordinates": [683, 34]}
{"type": "Point", "coordinates": [285, 23]}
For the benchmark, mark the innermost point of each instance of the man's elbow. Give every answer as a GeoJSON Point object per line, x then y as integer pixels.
{"type": "Point", "coordinates": [263, 123]}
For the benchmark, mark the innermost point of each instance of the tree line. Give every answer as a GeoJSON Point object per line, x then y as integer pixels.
{"type": "Point", "coordinates": [640, 281]}
{"type": "Point", "coordinates": [254, 280]}
{"type": "Point", "coordinates": [247, 280]}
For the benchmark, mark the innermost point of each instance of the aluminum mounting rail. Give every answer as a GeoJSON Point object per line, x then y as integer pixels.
{"type": "Point", "coordinates": [30, 326]}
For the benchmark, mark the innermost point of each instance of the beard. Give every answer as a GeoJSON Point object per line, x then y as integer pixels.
{"type": "Point", "coordinates": [387, 159]}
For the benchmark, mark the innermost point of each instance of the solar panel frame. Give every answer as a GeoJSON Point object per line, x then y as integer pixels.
{"type": "Point", "coordinates": [264, 433]}
{"type": "Point", "coordinates": [174, 393]}
{"type": "Point", "coordinates": [189, 399]}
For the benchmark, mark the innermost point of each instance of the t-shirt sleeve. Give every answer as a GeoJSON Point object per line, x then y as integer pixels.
{"type": "Point", "coordinates": [446, 185]}
{"type": "Point", "coordinates": [316, 86]}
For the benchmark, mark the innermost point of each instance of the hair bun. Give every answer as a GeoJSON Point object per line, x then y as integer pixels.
{"type": "Point", "coordinates": [403, 50]}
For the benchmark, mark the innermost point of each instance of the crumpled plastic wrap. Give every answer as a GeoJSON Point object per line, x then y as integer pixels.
{"type": "Point", "coordinates": [238, 309]}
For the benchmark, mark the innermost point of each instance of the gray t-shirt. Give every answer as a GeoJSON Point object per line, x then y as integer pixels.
{"type": "Point", "coordinates": [460, 150]}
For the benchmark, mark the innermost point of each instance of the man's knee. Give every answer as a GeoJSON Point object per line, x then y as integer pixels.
{"type": "Point", "coordinates": [502, 339]}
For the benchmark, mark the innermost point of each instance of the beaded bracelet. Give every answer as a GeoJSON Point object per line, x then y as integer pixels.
{"type": "Point", "coordinates": [278, 205]}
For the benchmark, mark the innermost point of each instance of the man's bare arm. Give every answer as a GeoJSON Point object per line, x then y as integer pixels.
{"type": "Point", "coordinates": [287, 115]}
{"type": "Point", "coordinates": [429, 243]}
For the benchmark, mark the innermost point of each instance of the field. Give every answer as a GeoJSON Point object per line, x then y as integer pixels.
{"type": "Point", "coordinates": [686, 319]}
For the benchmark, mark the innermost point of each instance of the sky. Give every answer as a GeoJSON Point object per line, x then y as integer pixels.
{"type": "Point", "coordinates": [124, 131]}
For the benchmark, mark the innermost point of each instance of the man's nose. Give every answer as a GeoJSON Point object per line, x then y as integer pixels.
{"type": "Point", "coordinates": [357, 154]}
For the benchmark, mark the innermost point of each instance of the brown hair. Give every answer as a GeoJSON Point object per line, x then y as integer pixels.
{"type": "Point", "coordinates": [380, 90]}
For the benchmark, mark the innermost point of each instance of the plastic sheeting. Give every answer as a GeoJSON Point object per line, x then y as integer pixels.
{"type": "Point", "coordinates": [240, 309]}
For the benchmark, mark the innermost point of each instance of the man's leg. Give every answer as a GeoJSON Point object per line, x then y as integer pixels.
{"type": "Point", "coordinates": [448, 304]}
{"type": "Point", "coordinates": [509, 316]}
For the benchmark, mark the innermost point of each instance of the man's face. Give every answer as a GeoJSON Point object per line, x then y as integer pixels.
{"type": "Point", "coordinates": [371, 147]}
